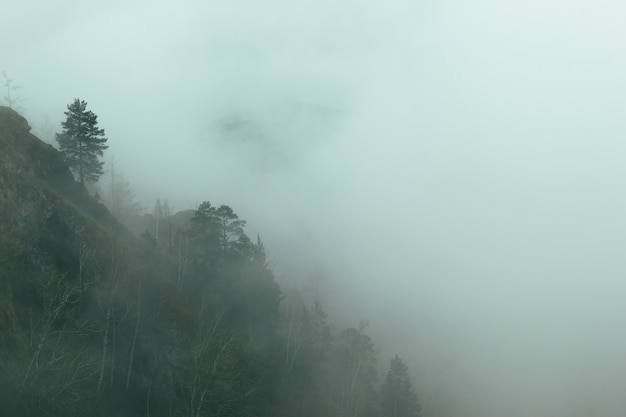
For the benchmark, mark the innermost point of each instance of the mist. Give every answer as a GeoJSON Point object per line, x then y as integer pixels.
{"type": "Point", "coordinates": [454, 167]}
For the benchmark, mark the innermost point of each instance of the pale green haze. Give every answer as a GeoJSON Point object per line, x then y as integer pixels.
{"type": "Point", "coordinates": [458, 168]}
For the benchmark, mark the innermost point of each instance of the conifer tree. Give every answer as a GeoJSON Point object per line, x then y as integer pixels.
{"type": "Point", "coordinates": [81, 142]}
{"type": "Point", "coordinates": [398, 398]}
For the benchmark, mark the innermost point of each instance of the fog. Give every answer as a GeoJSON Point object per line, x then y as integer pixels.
{"type": "Point", "coordinates": [455, 167]}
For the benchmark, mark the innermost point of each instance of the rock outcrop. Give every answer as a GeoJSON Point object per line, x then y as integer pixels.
{"type": "Point", "coordinates": [45, 215]}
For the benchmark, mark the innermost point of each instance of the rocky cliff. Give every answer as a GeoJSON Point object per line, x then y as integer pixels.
{"type": "Point", "coordinates": [45, 215]}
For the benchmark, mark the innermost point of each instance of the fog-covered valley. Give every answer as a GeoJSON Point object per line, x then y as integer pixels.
{"type": "Point", "coordinates": [449, 171]}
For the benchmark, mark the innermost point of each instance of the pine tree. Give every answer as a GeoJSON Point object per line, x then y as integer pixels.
{"type": "Point", "coordinates": [398, 398]}
{"type": "Point", "coordinates": [82, 142]}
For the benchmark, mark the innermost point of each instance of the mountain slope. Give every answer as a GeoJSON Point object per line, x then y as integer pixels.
{"type": "Point", "coordinates": [59, 252]}
{"type": "Point", "coordinates": [44, 214]}
{"type": "Point", "coordinates": [186, 321]}
{"type": "Point", "coordinates": [94, 321]}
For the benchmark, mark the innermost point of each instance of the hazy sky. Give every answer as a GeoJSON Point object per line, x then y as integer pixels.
{"type": "Point", "coordinates": [458, 167]}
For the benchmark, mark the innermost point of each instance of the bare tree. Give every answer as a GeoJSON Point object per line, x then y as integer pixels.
{"type": "Point", "coordinates": [158, 215]}
{"type": "Point", "coordinates": [294, 313]}
{"type": "Point", "coordinates": [11, 98]}
{"type": "Point", "coordinates": [61, 365]}
{"type": "Point", "coordinates": [118, 268]}
{"type": "Point", "coordinates": [183, 258]}
{"type": "Point", "coordinates": [119, 197]}
{"type": "Point", "coordinates": [358, 377]}
{"type": "Point", "coordinates": [135, 332]}
{"type": "Point", "coordinates": [167, 214]}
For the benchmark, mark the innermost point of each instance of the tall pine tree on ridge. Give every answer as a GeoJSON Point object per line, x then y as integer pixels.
{"type": "Point", "coordinates": [81, 142]}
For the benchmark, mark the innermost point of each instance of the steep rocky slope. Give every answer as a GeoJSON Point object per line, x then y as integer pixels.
{"type": "Point", "coordinates": [44, 214]}
{"type": "Point", "coordinates": [95, 321]}
{"type": "Point", "coordinates": [55, 241]}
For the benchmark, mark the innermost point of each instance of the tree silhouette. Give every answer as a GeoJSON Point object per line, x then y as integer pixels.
{"type": "Point", "coordinates": [11, 98]}
{"type": "Point", "coordinates": [82, 142]}
{"type": "Point", "coordinates": [398, 398]}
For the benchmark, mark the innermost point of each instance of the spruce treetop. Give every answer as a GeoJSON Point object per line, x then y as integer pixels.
{"type": "Point", "coordinates": [398, 397]}
{"type": "Point", "coordinates": [82, 142]}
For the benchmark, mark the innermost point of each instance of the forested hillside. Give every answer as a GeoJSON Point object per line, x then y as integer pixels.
{"type": "Point", "coordinates": [97, 321]}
